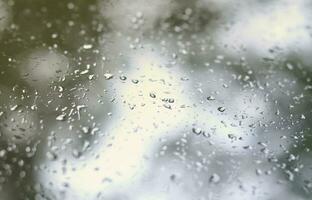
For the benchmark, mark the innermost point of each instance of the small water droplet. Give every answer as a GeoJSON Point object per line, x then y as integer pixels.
{"type": "Point", "coordinates": [167, 106]}
{"type": "Point", "coordinates": [214, 178]}
{"type": "Point", "coordinates": [2, 153]}
{"type": "Point", "coordinates": [197, 131]}
{"type": "Point", "coordinates": [13, 108]}
{"type": "Point", "coordinates": [289, 66]}
{"type": "Point", "coordinates": [152, 95]}
{"type": "Point", "coordinates": [171, 100]}
{"type": "Point", "coordinates": [76, 153]}
{"type": "Point", "coordinates": [84, 72]}
{"type": "Point", "coordinates": [51, 155]}
{"type": "Point", "coordinates": [61, 117]}
{"type": "Point", "coordinates": [135, 81]}
{"type": "Point", "coordinates": [85, 129]}
{"type": "Point", "coordinates": [108, 76]}
{"type": "Point", "coordinates": [184, 79]}
{"type": "Point", "coordinates": [87, 46]}
{"type": "Point", "coordinates": [123, 78]}
{"type": "Point", "coordinates": [210, 98]}
{"type": "Point", "coordinates": [221, 109]}
{"type": "Point", "coordinates": [290, 175]}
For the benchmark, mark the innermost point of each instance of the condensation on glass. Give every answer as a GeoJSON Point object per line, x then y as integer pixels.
{"type": "Point", "coordinates": [155, 100]}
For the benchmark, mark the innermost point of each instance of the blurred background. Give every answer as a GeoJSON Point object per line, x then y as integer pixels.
{"type": "Point", "coordinates": [155, 99]}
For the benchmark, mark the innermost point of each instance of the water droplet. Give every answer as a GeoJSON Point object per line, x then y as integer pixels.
{"type": "Point", "coordinates": [61, 117]}
{"type": "Point", "coordinates": [214, 178]}
{"type": "Point", "coordinates": [51, 155]}
{"type": "Point", "coordinates": [2, 153]}
{"type": "Point", "coordinates": [290, 175]}
{"type": "Point", "coordinates": [289, 66]}
{"type": "Point", "coordinates": [85, 129]}
{"type": "Point", "coordinates": [91, 76]}
{"type": "Point", "coordinates": [206, 134]}
{"type": "Point", "coordinates": [54, 35]}
{"type": "Point", "coordinates": [258, 172]}
{"type": "Point", "coordinates": [13, 108]}
{"type": "Point", "coordinates": [94, 130]}
{"type": "Point", "coordinates": [197, 131]}
{"type": "Point", "coordinates": [171, 100]}
{"type": "Point", "coordinates": [87, 46]}
{"type": "Point", "coordinates": [84, 72]}
{"type": "Point", "coordinates": [108, 76]}
{"type": "Point", "coordinates": [135, 81]}
{"type": "Point", "coordinates": [210, 98]}
{"type": "Point", "coordinates": [167, 106]}
{"type": "Point", "coordinates": [123, 78]}
{"type": "Point", "coordinates": [184, 79]}
{"type": "Point", "coordinates": [76, 153]}
{"type": "Point", "coordinates": [221, 109]}
{"type": "Point", "coordinates": [152, 95]}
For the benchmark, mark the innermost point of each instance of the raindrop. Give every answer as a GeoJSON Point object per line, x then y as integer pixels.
{"type": "Point", "coordinates": [184, 79]}
{"type": "Point", "coordinates": [214, 178]}
{"type": "Point", "coordinates": [87, 46]}
{"type": "Point", "coordinates": [13, 108]}
{"type": "Point", "coordinates": [51, 155]}
{"type": "Point", "coordinates": [221, 109]}
{"type": "Point", "coordinates": [85, 129]}
{"type": "Point", "coordinates": [290, 175]}
{"type": "Point", "coordinates": [289, 66]}
{"type": "Point", "coordinates": [61, 117]}
{"type": "Point", "coordinates": [171, 100]}
{"type": "Point", "coordinates": [206, 134]}
{"type": "Point", "coordinates": [91, 76]}
{"type": "Point", "coordinates": [152, 95]}
{"type": "Point", "coordinates": [210, 98]}
{"type": "Point", "coordinates": [108, 76]}
{"type": "Point", "coordinates": [84, 72]}
{"type": "Point", "coordinates": [135, 81]}
{"type": "Point", "coordinates": [76, 153]}
{"type": "Point", "coordinates": [123, 78]}
{"type": "Point", "coordinates": [167, 106]}
{"type": "Point", "coordinates": [2, 153]}
{"type": "Point", "coordinates": [197, 131]}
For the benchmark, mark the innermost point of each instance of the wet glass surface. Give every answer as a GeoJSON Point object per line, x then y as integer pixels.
{"type": "Point", "coordinates": [155, 100]}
